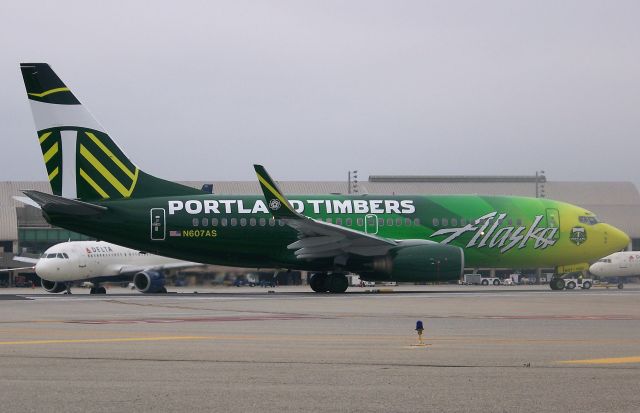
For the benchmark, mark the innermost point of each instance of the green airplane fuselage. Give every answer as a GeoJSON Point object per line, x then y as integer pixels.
{"type": "Point", "coordinates": [493, 231]}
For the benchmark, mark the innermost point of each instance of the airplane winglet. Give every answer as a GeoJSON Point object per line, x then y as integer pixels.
{"type": "Point", "coordinates": [277, 203]}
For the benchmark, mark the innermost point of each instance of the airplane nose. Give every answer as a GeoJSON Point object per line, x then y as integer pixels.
{"type": "Point", "coordinates": [616, 238]}
{"type": "Point", "coordinates": [595, 269]}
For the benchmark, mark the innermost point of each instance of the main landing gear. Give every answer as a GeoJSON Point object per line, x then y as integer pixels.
{"type": "Point", "coordinates": [332, 283]}
{"type": "Point", "coordinates": [97, 289]}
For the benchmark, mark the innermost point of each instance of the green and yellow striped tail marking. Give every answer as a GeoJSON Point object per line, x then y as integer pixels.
{"type": "Point", "coordinates": [103, 170]}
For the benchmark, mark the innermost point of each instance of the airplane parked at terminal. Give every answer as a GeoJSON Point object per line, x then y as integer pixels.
{"type": "Point", "coordinates": [99, 191]}
{"type": "Point", "coordinates": [99, 262]}
{"type": "Point", "coordinates": [619, 265]}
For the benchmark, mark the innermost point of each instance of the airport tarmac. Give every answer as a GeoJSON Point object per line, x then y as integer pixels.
{"type": "Point", "coordinates": [492, 349]}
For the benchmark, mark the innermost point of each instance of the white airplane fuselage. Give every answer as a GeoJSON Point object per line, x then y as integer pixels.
{"type": "Point", "coordinates": [619, 264]}
{"type": "Point", "coordinates": [82, 260]}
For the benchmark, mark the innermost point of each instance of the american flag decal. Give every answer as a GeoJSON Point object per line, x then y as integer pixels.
{"type": "Point", "coordinates": [175, 233]}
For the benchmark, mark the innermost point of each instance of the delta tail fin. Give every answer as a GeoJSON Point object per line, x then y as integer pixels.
{"type": "Point", "coordinates": [82, 160]}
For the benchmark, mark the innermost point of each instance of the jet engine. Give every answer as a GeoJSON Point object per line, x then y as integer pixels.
{"type": "Point", "coordinates": [419, 261]}
{"type": "Point", "coordinates": [52, 286]}
{"type": "Point", "coordinates": [149, 282]}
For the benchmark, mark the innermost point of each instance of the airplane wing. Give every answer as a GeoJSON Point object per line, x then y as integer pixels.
{"type": "Point", "coordinates": [134, 269]}
{"type": "Point", "coordinates": [25, 259]}
{"type": "Point", "coordinates": [17, 269]}
{"type": "Point", "coordinates": [318, 239]}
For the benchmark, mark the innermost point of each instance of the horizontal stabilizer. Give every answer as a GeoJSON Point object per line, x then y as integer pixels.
{"type": "Point", "coordinates": [54, 203]}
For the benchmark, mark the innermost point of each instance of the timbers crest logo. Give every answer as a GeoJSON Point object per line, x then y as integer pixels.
{"type": "Point", "coordinates": [274, 204]}
{"type": "Point", "coordinates": [578, 235]}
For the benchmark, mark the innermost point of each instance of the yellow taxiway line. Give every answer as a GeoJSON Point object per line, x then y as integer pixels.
{"type": "Point", "coordinates": [103, 340]}
{"type": "Point", "coordinates": [611, 360]}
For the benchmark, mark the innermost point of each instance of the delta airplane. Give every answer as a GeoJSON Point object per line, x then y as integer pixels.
{"type": "Point", "coordinates": [619, 265]}
{"type": "Point", "coordinates": [98, 191]}
{"type": "Point", "coordinates": [98, 262]}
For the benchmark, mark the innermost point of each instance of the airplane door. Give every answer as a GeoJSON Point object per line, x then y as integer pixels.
{"type": "Point", "coordinates": [371, 224]}
{"type": "Point", "coordinates": [158, 224]}
{"type": "Point", "coordinates": [553, 220]}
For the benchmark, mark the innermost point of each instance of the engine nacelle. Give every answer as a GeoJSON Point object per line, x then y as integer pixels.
{"type": "Point", "coordinates": [149, 282]}
{"type": "Point", "coordinates": [419, 261]}
{"type": "Point", "coordinates": [52, 286]}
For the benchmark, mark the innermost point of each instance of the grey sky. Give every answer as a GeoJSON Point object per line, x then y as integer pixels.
{"type": "Point", "coordinates": [203, 89]}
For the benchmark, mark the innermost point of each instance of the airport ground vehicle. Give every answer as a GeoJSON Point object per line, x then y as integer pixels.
{"type": "Point", "coordinates": [478, 279]}
{"type": "Point", "coordinates": [573, 283]}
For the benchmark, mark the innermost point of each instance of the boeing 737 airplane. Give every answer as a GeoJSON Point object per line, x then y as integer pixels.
{"type": "Point", "coordinates": [98, 191]}
{"type": "Point", "coordinates": [619, 265]}
{"type": "Point", "coordinates": [99, 262]}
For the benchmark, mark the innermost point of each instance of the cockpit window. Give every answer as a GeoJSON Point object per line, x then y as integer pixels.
{"type": "Point", "coordinates": [588, 220]}
{"type": "Point", "coordinates": [51, 255]}
{"type": "Point", "coordinates": [64, 254]}
{"type": "Point", "coordinates": [606, 260]}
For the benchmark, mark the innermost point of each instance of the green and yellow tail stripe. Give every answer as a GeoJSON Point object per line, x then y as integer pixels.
{"type": "Point", "coordinates": [44, 137]}
{"type": "Point", "coordinates": [93, 184]}
{"type": "Point", "coordinates": [125, 192]}
{"type": "Point", "coordinates": [54, 173]}
{"type": "Point", "coordinates": [110, 154]}
{"type": "Point", "coordinates": [52, 151]}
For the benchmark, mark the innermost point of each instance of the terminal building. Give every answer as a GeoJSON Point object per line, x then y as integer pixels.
{"type": "Point", "coordinates": [23, 230]}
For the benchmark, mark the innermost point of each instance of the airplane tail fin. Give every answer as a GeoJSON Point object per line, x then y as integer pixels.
{"type": "Point", "coordinates": [82, 160]}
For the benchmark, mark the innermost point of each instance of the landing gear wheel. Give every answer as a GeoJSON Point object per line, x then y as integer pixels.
{"type": "Point", "coordinates": [571, 285]}
{"type": "Point", "coordinates": [163, 290]}
{"type": "Point", "coordinates": [92, 290]}
{"type": "Point", "coordinates": [317, 282]}
{"type": "Point", "coordinates": [586, 285]}
{"type": "Point", "coordinates": [101, 290]}
{"type": "Point", "coordinates": [337, 283]}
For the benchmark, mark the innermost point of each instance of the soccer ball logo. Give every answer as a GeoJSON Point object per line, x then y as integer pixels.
{"type": "Point", "coordinates": [274, 204]}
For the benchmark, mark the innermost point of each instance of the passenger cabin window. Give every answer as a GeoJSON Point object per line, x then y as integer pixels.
{"type": "Point", "coordinates": [234, 222]}
{"type": "Point", "coordinates": [262, 222]}
{"type": "Point", "coordinates": [436, 222]}
{"type": "Point", "coordinates": [389, 222]}
{"type": "Point", "coordinates": [272, 222]}
{"type": "Point", "coordinates": [205, 222]}
{"type": "Point", "coordinates": [360, 222]}
{"type": "Point", "coordinates": [454, 222]}
{"type": "Point", "coordinates": [223, 221]}
{"type": "Point", "coordinates": [214, 222]}
{"type": "Point", "coordinates": [252, 222]}
{"type": "Point", "coordinates": [349, 222]}
{"type": "Point", "coordinates": [195, 222]}
{"type": "Point", "coordinates": [407, 221]}
{"type": "Point", "coordinates": [339, 221]}
{"type": "Point", "coordinates": [445, 222]}
{"type": "Point", "coordinates": [416, 221]}
{"type": "Point", "coordinates": [398, 221]}
{"type": "Point", "coordinates": [243, 222]}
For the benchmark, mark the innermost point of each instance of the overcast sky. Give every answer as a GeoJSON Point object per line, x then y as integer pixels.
{"type": "Point", "coordinates": [201, 90]}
